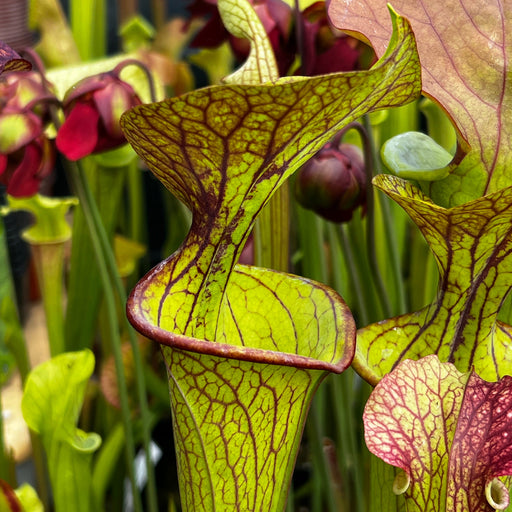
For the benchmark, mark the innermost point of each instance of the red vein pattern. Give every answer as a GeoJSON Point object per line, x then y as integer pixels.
{"type": "Point", "coordinates": [472, 245]}
{"type": "Point", "coordinates": [464, 52]}
{"type": "Point", "coordinates": [450, 432]}
{"type": "Point", "coordinates": [246, 347]}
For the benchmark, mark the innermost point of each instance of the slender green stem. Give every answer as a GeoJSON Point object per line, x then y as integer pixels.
{"type": "Point", "coordinates": [322, 485]}
{"type": "Point", "coordinates": [311, 237]}
{"type": "Point", "coordinates": [49, 263]}
{"type": "Point", "coordinates": [136, 212]}
{"type": "Point", "coordinates": [394, 258]}
{"type": "Point", "coordinates": [80, 186]}
{"type": "Point", "coordinates": [272, 232]}
{"type": "Point", "coordinates": [370, 159]}
{"type": "Point", "coordinates": [88, 22]}
{"type": "Point", "coordinates": [360, 292]}
{"type": "Point", "coordinates": [111, 268]}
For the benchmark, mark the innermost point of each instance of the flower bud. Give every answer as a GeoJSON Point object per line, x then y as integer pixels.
{"type": "Point", "coordinates": [93, 108]}
{"type": "Point", "coordinates": [333, 182]}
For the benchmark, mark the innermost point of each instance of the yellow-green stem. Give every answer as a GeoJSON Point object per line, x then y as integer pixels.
{"type": "Point", "coordinates": [49, 263]}
{"type": "Point", "coordinates": [109, 262]}
{"type": "Point", "coordinates": [79, 183]}
{"type": "Point", "coordinates": [272, 232]}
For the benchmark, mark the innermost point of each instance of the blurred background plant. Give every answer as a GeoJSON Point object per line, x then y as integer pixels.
{"type": "Point", "coordinates": [60, 137]}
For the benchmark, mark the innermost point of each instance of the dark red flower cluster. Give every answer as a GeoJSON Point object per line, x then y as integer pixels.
{"type": "Point", "coordinates": [26, 154]}
{"type": "Point", "coordinates": [92, 110]}
{"type": "Point", "coordinates": [320, 48]}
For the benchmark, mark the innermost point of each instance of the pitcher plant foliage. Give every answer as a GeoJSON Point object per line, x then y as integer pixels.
{"type": "Point", "coordinates": [461, 207]}
{"type": "Point", "coordinates": [224, 151]}
{"type": "Point", "coordinates": [267, 163]}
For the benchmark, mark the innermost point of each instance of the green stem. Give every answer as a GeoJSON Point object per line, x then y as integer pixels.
{"type": "Point", "coordinates": [370, 160]}
{"type": "Point", "coordinates": [350, 457]}
{"type": "Point", "coordinates": [80, 186]}
{"type": "Point", "coordinates": [311, 239]}
{"type": "Point", "coordinates": [108, 260]}
{"type": "Point", "coordinates": [371, 153]}
{"type": "Point", "coordinates": [322, 488]}
{"type": "Point", "coordinates": [361, 296]}
{"type": "Point", "coordinates": [49, 263]}
{"type": "Point", "coordinates": [136, 212]}
{"type": "Point", "coordinates": [272, 232]}
{"type": "Point", "coordinates": [88, 22]}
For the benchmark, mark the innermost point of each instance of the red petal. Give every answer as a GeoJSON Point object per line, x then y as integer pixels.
{"type": "Point", "coordinates": [3, 164]}
{"type": "Point", "coordinates": [78, 135]}
{"type": "Point", "coordinates": [23, 181]}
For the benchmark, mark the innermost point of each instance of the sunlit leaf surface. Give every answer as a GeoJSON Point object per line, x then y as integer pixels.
{"type": "Point", "coordinates": [472, 245]}
{"type": "Point", "coordinates": [224, 150]}
{"type": "Point", "coordinates": [449, 432]}
{"type": "Point", "coordinates": [246, 347]}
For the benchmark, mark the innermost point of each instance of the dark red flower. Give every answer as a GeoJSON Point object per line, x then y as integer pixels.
{"type": "Point", "coordinates": [92, 109]}
{"type": "Point", "coordinates": [325, 49]}
{"type": "Point", "coordinates": [333, 182]}
{"type": "Point", "coordinates": [27, 155]}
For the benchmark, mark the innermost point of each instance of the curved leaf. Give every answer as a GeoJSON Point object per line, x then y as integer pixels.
{"type": "Point", "coordinates": [249, 346]}
{"type": "Point", "coordinates": [464, 52]}
{"type": "Point", "coordinates": [224, 150]}
{"type": "Point", "coordinates": [241, 20]}
{"type": "Point", "coordinates": [472, 245]}
{"type": "Point", "coordinates": [448, 431]}
{"type": "Point", "coordinates": [52, 399]}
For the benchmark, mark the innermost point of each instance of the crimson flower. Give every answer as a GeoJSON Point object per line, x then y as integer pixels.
{"type": "Point", "coordinates": [326, 49]}
{"type": "Point", "coordinates": [92, 109]}
{"type": "Point", "coordinates": [333, 182]}
{"type": "Point", "coordinates": [27, 155]}
{"type": "Point", "coordinates": [323, 49]}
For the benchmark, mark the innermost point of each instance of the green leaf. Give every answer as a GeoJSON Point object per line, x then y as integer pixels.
{"type": "Point", "coordinates": [223, 151]}
{"type": "Point", "coordinates": [239, 410]}
{"type": "Point", "coordinates": [247, 347]}
{"type": "Point", "coordinates": [51, 403]}
{"type": "Point", "coordinates": [415, 156]}
{"type": "Point", "coordinates": [464, 52]}
{"type": "Point", "coordinates": [472, 247]}
{"type": "Point", "coordinates": [449, 433]}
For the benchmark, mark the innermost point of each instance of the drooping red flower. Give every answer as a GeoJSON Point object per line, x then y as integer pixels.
{"type": "Point", "coordinates": [92, 109]}
{"type": "Point", "coordinates": [322, 48]}
{"type": "Point", "coordinates": [325, 49]}
{"type": "Point", "coordinates": [27, 156]}
{"type": "Point", "coordinates": [333, 182]}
